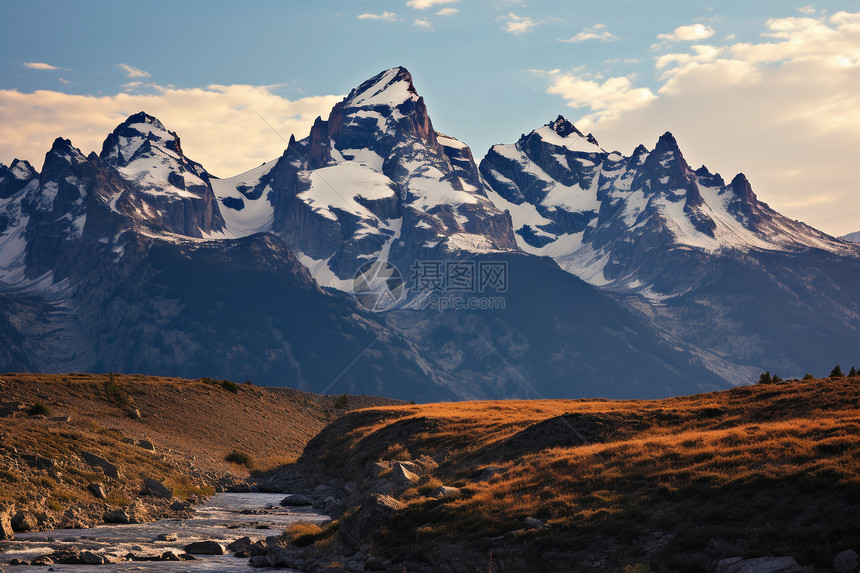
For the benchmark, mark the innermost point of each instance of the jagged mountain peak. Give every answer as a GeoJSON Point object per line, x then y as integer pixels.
{"type": "Point", "coordinates": [22, 169]}
{"type": "Point", "coordinates": [393, 87]}
{"type": "Point", "coordinates": [62, 152]}
{"type": "Point", "coordinates": [667, 143]}
{"type": "Point", "coordinates": [563, 127]}
{"type": "Point", "coordinates": [138, 133]}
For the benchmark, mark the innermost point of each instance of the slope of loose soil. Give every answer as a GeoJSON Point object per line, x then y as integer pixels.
{"type": "Point", "coordinates": [192, 425]}
{"type": "Point", "coordinates": [670, 485]}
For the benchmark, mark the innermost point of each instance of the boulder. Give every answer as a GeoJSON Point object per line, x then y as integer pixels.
{"type": "Point", "coordinates": [296, 499]}
{"type": "Point", "coordinates": [6, 531]}
{"type": "Point", "coordinates": [39, 462]}
{"type": "Point", "coordinates": [117, 516]}
{"type": "Point", "coordinates": [146, 445]}
{"type": "Point", "coordinates": [487, 473]}
{"type": "Point", "coordinates": [241, 544]}
{"type": "Point", "coordinates": [411, 466]}
{"type": "Point", "coordinates": [535, 523]}
{"type": "Point", "coordinates": [97, 461]}
{"type": "Point", "coordinates": [446, 492]}
{"type": "Point", "coordinates": [90, 558]}
{"type": "Point", "coordinates": [846, 561]}
{"type": "Point", "coordinates": [401, 475]}
{"type": "Point", "coordinates": [155, 488]}
{"type": "Point", "coordinates": [180, 505]}
{"type": "Point", "coordinates": [23, 521]}
{"type": "Point", "coordinates": [321, 492]}
{"type": "Point", "coordinates": [759, 565]}
{"type": "Point", "coordinates": [97, 490]}
{"type": "Point", "coordinates": [166, 537]}
{"type": "Point", "coordinates": [373, 514]}
{"type": "Point", "coordinates": [204, 548]}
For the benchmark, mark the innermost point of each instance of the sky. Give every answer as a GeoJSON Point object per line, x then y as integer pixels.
{"type": "Point", "coordinates": [770, 88]}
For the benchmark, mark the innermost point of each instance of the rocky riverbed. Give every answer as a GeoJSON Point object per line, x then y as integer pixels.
{"type": "Point", "coordinates": [226, 525]}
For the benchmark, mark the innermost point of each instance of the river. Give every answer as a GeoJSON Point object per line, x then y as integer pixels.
{"type": "Point", "coordinates": [219, 519]}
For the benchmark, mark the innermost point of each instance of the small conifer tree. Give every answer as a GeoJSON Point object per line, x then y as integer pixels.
{"type": "Point", "coordinates": [765, 378]}
{"type": "Point", "coordinates": [852, 373]}
{"type": "Point", "coordinates": [837, 372]}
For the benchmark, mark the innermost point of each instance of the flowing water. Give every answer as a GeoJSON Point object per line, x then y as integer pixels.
{"type": "Point", "coordinates": [220, 519]}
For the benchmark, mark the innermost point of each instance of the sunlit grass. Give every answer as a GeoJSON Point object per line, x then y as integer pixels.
{"type": "Point", "coordinates": [777, 466]}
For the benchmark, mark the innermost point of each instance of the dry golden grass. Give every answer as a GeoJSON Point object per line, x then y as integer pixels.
{"type": "Point", "coordinates": [756, 470]}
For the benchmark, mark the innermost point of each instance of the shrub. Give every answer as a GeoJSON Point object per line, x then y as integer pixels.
{"type": "Point", "coordinates": [230, 386]}
{"type": "Point", "coordinates": [115, 393]}
{"type": "Point", "coordinates": [240, 458]}
{"type": "Point", "coordinates": [38, 409]}
{"type": "Point", "coordinates": [837, 372]}
{"type": "Point", "coordinates": [776, 379]}
{"type": "Point", "coordinates": [808, 376]}
{"type": "Point", "coordinates": [342, 402]}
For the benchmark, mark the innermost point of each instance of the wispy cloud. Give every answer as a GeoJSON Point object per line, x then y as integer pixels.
{"type": "Point", "coordinates": [423, 23]}
{"type": "Point", "coordinates": [596, 32]}
{"type": "Point", "coordinates": [808, 9]}
{"type": "Point", "coordinates": [425, 4]}
{"type": "Point", "coordinates": [133, 72]}
{"type": "Point", "coordinates": [447, 12]}
{"type": "Point", "coordinates": [40, 66]}
{"type": "Point", "coordinates": [385, 16]}
{"type": "Point", "coordinates": [517, 25]}
{"type": "Point", "coordinates": [606, 98]}
{"type": "Point", "coordinates": [688, 33]}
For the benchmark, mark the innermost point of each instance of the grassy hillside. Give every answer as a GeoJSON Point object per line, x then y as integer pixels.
{"type": "Point", "coordinates": [176, 431]}
{"type": "Point", "coordinates": [663, 485]}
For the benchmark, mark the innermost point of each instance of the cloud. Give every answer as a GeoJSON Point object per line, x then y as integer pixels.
{"type": "Point", "coordinates": [688, 33]}
{"type": "Point", "coordinates": [596, 32]}
{"type": "Point", "coordinates": [606, 99]}
{"type": "Point", "coordinates": [219, 125]}
{"type": "Point", "coordinates": [808, 9]}
{"type": "Point", "coordinates": [386, 16]}
{"type": "Point", "coordinates": [784, 110]}
{"type": "Point", "coordinates": [517, 25]}
{"type": "Point", "coordinates": [447, 12]}
{"type": "Point", "coordinates": [133, 72]}
{"type": "Point", "coordinates": [423, 23]}
{"type": "Point", "coordinates": [424, 4]}
{"type": "Point", "coordinates": [39, 66]}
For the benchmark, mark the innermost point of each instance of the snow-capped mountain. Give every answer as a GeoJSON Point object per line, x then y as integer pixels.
{"type": "Point", "coordinates": [626, 276]}
{"type": "Point", "coordinates": [620, 222]}
{"type": "Point", "coordinates": [851, 237]}
{"type": "Point", "coordinates": [166, 190]}
{"type": "Point", "coordinates": [374, 181]}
